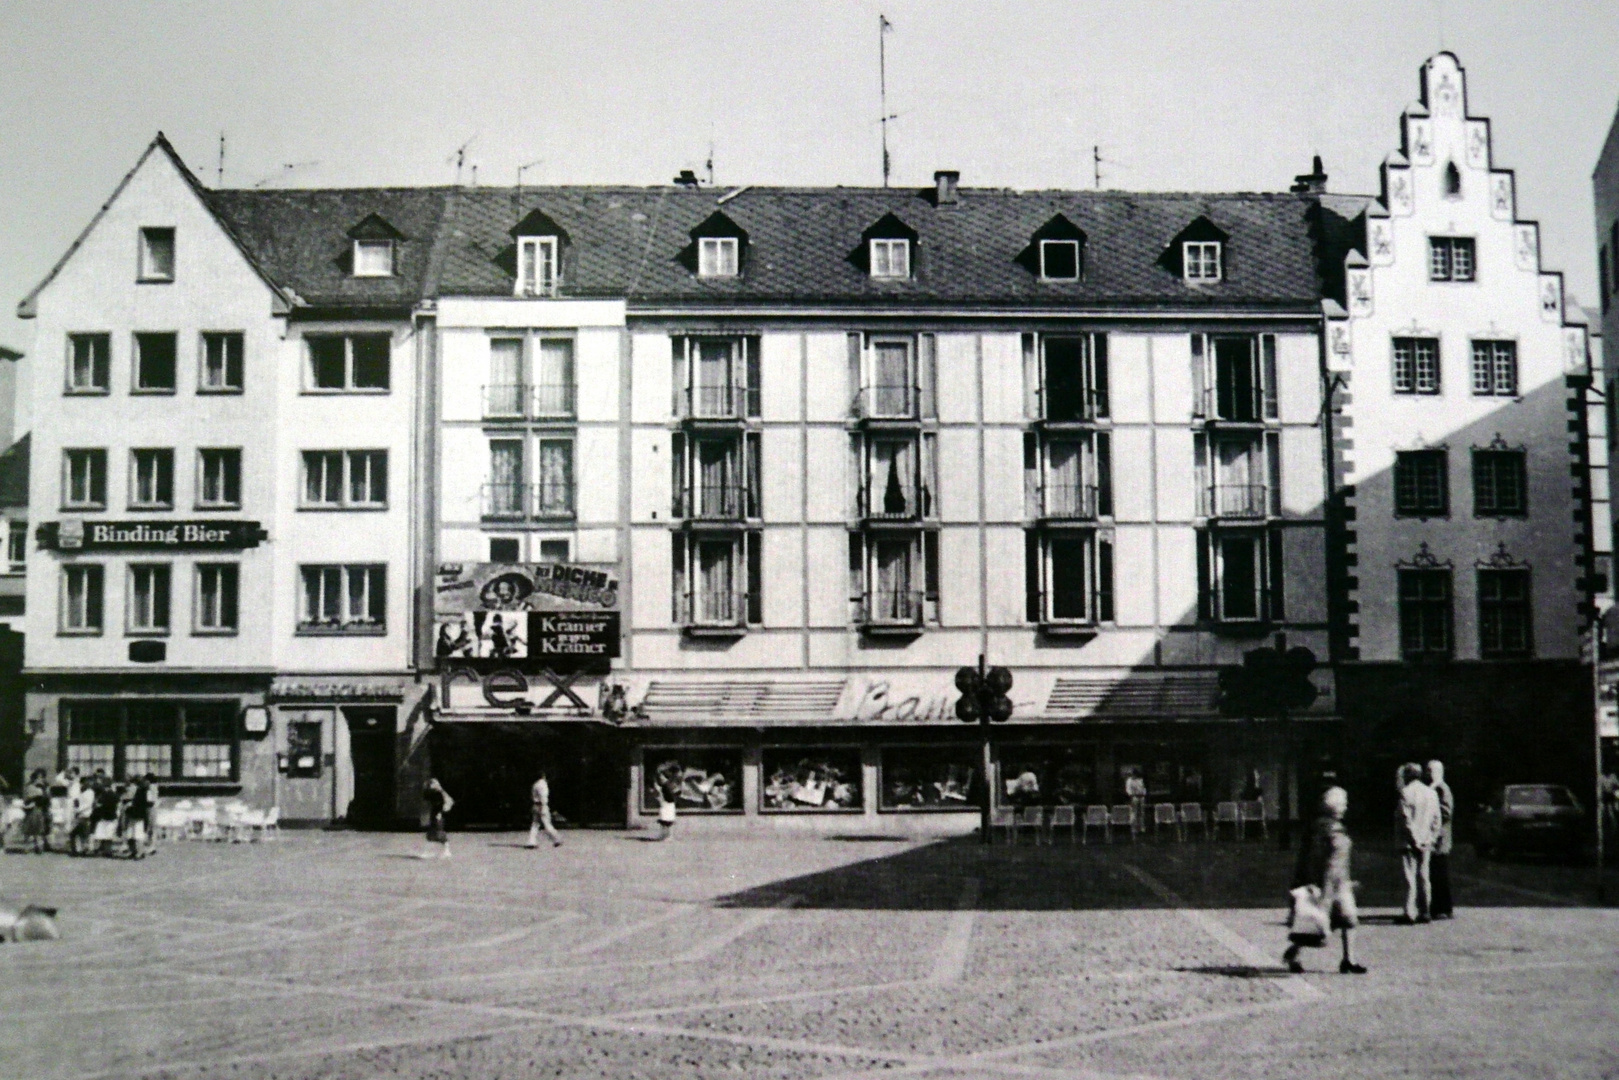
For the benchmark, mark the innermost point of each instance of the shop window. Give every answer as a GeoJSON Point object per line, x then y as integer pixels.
{"type": "Point", "coordinates": [929, 778]}
{"type": "Point", "coordinates": [701, 779]}
{"type": "Point", "coordinates": [1048, 776]}
{"type": "Point", "coordinates": [809, 780]}
{"type": "Point", "coordinates": [169, 740]}
{"type": "Point", "coordinates": [89, 363]}
{"type": "Point", "coordinates": [304, 748]}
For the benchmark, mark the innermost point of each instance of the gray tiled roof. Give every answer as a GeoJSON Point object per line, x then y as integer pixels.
{"type": "Point", "coordinates": [628, 242]}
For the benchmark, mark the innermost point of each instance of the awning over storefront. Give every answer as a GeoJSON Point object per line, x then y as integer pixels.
{"type": "Point", "coordinates": [671, 702]}
{"type": "Point", "coordinates": [1135, 695]}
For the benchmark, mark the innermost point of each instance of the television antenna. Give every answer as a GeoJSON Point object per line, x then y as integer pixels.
{"type": "Point", "coordinates": [285, 170]}
{"type": "Point", "coordinates": [884, 27]}
{"type": "Point", "coordinates": [459, 156]}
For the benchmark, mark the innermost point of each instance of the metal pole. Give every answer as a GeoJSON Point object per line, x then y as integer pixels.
{"type": "Point", "coordinates": [1596, 732]}
{"type": "Point", "coordinates": [988, 753]}
{"type": "Point", "coordinates": [882, 93]}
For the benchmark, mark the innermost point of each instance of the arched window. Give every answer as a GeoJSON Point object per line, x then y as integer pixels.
{"type": "Point", "coordinates": [1453, 181]}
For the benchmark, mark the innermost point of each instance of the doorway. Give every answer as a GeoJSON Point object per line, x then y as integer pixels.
{"type": "Point", "coordinates": [371, 749]}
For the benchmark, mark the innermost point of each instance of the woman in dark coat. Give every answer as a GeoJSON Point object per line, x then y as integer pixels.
{"type": "Point", "coordinates": [36, 823]}
{"type": "Point", "coordinates": [1324, 863]}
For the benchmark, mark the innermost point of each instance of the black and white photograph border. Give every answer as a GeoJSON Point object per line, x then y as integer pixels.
{"type": "Point", "coordinates": [1031, 540]}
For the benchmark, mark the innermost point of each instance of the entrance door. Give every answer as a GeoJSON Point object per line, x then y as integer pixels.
{"type": "Point", "coordinates": [371, 748]}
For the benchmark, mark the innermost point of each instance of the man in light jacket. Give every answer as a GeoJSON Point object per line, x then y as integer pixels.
{"type": "Point", "coordinates": [1440, 906]}
{"type": "Point", "coordinates": [1419, 829]}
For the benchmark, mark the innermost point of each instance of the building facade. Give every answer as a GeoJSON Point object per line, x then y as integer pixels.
{"type": "Point", "coordinates": [1467, 555]}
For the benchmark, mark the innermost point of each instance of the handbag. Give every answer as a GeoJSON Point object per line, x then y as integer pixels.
{"type": "Point", "coordinates": [1308, 920]}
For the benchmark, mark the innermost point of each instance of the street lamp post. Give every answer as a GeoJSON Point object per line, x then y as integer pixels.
{"type": "Point", "coordinates": [983, 699]}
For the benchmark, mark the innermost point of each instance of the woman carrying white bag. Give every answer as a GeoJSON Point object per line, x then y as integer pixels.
{"type": "Point", "coordinates": [1324, 894]}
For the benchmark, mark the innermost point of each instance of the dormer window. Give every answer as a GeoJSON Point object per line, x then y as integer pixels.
{"type": "Point", "coordinates": [717, 256]}
{"type": "Point", "coordinates": [373, 258]}
{"type": "Point", "coordinates": [890, 258]}
{"type": "Point", "coordinates": [536, 266]}
{"type": "Point", "coordinates": [1059, 260]}
{"type": "Point", "coordinates": [1200, 260]}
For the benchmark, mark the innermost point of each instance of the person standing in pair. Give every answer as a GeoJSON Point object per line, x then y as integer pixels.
{"type": "Point", "coordinates": [1418, 827]}
{"type": "Point", "coordinates": [1441, 906]}
{"type": "Point", "coordinates": [540, 793]}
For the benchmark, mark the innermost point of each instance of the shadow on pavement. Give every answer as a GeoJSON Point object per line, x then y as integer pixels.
{"type": "Point", "coordinates": [1196, 874]}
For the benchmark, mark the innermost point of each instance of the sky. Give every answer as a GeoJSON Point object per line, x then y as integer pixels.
{"type": "Point", "coordinates": [1211, 95]}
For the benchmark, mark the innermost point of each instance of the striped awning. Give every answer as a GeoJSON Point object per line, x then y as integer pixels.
{"type": "Point", "coordinates": [706, 701]}
{"type": "Point", "coordinates": [1136, 694]}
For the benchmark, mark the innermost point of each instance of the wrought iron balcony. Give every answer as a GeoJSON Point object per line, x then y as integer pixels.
{"type": "Point", "coordinates": [716, 502]}
{"type": "Point", "coordinates": [1068, 502]}
{"type": "Point", "coordinates": [888, 401]}
{"type": "Point", "coordinates": [903, 501]}
{"type": "Point", "coordinates": [714, 610]}
{"type": "Point", "coordinates": [524, 502]}
{"type": "Point", "coordinates": [1235, 501]}
{"type": "Point", "coordinates": [522, 401]}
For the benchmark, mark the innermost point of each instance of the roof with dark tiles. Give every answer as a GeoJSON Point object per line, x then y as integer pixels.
{"type": "Point", "coordinates": [14, 474]}
{"type": "Point", "coordinates": [301, 238]}
{"type": "Point", "coordinates": [802, 245]}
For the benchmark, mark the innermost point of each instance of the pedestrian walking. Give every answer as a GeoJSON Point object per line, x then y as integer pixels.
{"type": "Point", "coordinates": [1440, 905]}
{"type": "Point", "coordinates": [1323, 870]}
{"type": "Point", "coordinates": [667, 782]}
{"type": "Point", "coordinates": [1135, 789]}
{"type": "Point", "coordinates": [540, 793]}
{"type": "Point", "coordinates": [137, 817]}
{"type": "Point", "coordinates": [82, 794]}
{"type": "Point", "coordinates": [36, 822]}
{"type": "Point", "coordinates": [104, 814]}
{"type": "Point", "coordinates": [438, 803]}
{"type": "Point", "coordinates": [1418, 829]}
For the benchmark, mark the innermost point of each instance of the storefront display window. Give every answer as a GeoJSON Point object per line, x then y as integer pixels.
{"type": "Point", "coordinates": [810, 779]}
{"type": "Point", "coordinates": [929, 778]}
{"type": "Point", "coordinates": [706, 779]}
{"type": "Point", "coordinates": [1170, 772]}
{"type": "Point", "coordinates": [171, 740]}
{"type": "Point", "coordinates": [1048, 776]}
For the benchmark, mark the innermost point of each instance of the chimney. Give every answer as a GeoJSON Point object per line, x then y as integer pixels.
{"type": "Point", "coordinates": [688, 179]}
{"type": "Point", "coordinates": [1313, 182]}
{"type": "Point", "coordinates": [944, 187]}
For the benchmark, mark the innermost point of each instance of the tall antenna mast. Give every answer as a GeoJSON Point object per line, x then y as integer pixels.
{"type": "Point", "coordinates": [1096, 165]}
{"type": "Point", "coordinates": [710, 163]}
{"type": "Point", "coordinates": [883, 27]}
{"type": "Point", "coordinates": [220, 179]}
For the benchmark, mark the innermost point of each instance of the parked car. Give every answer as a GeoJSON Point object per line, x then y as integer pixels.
{"type": "Point", "coordinates": [1540, 818]}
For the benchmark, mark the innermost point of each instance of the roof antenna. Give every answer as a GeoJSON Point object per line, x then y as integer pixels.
{"type": "Point", "coordinates": [220, 181]}
{"type": "Point", "coordinates": [459, 156]}
{"type": "Point", "coordinates": [710, 162]}
{"type": "Point", "coordinates": [1096, 165]}
{"type": "Point", "coordinates": [517, 196]}
{"type": "Point", "coordinates": [883, 27]}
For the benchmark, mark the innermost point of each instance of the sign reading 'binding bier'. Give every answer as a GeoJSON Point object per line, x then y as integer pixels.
{"type": "Point", "coordinates": [76, 534]}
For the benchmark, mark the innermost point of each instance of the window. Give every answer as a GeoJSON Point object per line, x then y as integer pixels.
{"type": "Point", "coordinates": [155, 363]}
{"type": "Point", "coordinates": [343, 599]}
{"type": "Point", "coordinates": [1240, 575]}
{"type": "Point", "coordinates": [17, 547]}
{"type": "Point", "coordinates": [1450, 258]}
{"type": "Point", "coordinates": [894, 578]}
{"type": "Point", "coordinates": [717, 580]}
{"type": "Point", "coordinates": [373, 258]}
{"type": "Point", "coordinates": [717, 256]}
{"type": "Point", "coordinates": [1425, 614]}
{"type": "Point", "coordinates": [898, 477]}
{"type": "Point", "coordinates": [1453, 181]}
{"type": "Point", "coordinates": [893, 386]}
{"type": "Point", "coordinates": [1072, 377]}
{"type": "Point", "coordinates": [304, 747]}
{"type": "Point", "coordinates": [1500, 482]}
{"type": "Point", "coordinates": [156, 255]}
{"type": "Point", "coordinates": [81, 598]}
{"type": "Point", "coordinates": [1503, 614]}
{"type": "Point", "coordinates": [221, 363]}
{"type": "Point", "coordinates": [351, 363]}
{"type": "Point", "coordinates": [346, 479]}
{"type": "Point", "coordinates": [716, 477]}
{"type": "Point", "coordinates": [89, 363]}
{"type": "Point", "coordinates": [151, 482]}
{"type": "Point", "coordinates": [1059, 260]}
{"type": "Point", "coordinates": [1071, 579]}
{"type": "Point", "coordinates": [890, 258]}
{"type": "Point", "coordinates": [554, 489]}
{"type": "Point", "coordinates": [219, 479]}
{"type": "Point", "coordinates": [716, 377]}
{"type": "Point", "coordinates": [148, 611]}
{"type": "Point", "coordinates": [1421, 483]}
{"type": "Point", "coordinates": [1073, 474]}
{"type": "Point", "coordinates": [170, 740]}
{"type": "Point", "coordinates": [506, 495]}
{"type": "Point", "coordinates": [1238, 474]}
{"type": "Point", "coordinates": [217, 586]}
{"type": "Point", "coordinates": [1416, 365]}
{"type": "Point", "coordinates": [537, 266]}
{"type": "Point", "coordinates": [554, 551]}
{"type": "Point", "coordinates": [505, 549]}
{"type": "Point", "coordinates": [1235, 377]}
{"type": "Point", "coordinates": [84, 479]}
{"type": "Point", "coordinates": [1495, 368]}
{"type": "Point", "coordinates": [553, 379]}
{"type": "Point", "coordinates": [1200, 260]}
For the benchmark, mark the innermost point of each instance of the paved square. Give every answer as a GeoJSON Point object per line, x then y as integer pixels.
{"type": "Point", "coordinates": [339, 955]}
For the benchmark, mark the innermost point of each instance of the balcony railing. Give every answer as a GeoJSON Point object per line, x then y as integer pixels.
{"type": "Point", "coordinates": [714, 610]}
{"type": "Point", "coordinates": [895, 502]}
{"type": "Point", "coordinates": [883, 608]}
{"type": "Point", "coordinates": [716, 502]}
{"type": "Point", "coordinates": [1069, 502]}
{"type": "Point", "coordinates": [520, 401]}
{"type": "Point", "coordinates": [1235, 501]}
{"type": "Point", "coordinates": [714, 402]}
{"type": "Point", "coordinates": [887, 401]}
{"type": "Point", "coordinates": [522, 502]}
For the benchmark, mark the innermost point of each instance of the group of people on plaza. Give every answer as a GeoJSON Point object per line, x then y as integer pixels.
{"type": "Point", "coordinates": [86, 815]}
{"type": "Point", "coordinates": [1324, 890]}
{"type": "Point", "coordinates": [437, 802]}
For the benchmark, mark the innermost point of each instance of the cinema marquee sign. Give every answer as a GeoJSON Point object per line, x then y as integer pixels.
{"type": "Point", "coordinates": [76, 534]}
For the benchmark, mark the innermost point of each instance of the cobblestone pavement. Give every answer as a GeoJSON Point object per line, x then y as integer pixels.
{"type": "Point", "coordinates": [338, 955]}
